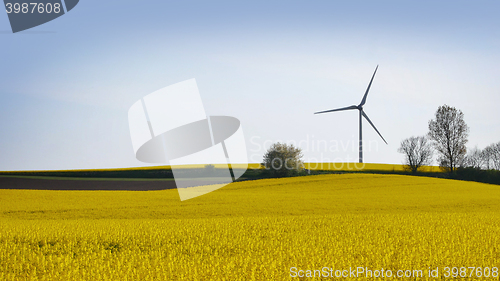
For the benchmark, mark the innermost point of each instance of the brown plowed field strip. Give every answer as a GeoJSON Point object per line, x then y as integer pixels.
{"type": "Point", "coordinates": [86, 184]}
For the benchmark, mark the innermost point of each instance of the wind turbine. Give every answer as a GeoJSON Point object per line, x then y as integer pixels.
{"type": "Point", "coordinates": [361, 115]}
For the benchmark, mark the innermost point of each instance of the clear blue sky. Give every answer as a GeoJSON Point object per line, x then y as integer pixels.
{"type": "Point", "coordinates": [66, 86]}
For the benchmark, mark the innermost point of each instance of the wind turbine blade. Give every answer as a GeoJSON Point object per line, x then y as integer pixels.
{"type": "Point", "coordinates": [338, 109]}
{"type": "Point", "coordinates": [363, 101]}
{"type": "Point", "coordinates": [369, 121]}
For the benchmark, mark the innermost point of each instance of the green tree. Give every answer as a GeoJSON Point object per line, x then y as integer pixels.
{"type": "Point", "coordinates": [283, 160]}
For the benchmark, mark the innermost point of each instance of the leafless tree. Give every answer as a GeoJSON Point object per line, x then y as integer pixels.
{"type": "Point", "coordinates": [449, 134]}
{"type": "Point", "coordinates": [417, 151]}
{"type": "Point", "coordinates": [474, 159]}
{"type": "Point", "coordinates": [494, 155]}
{"type": "Point", "coordinates": [486, 155]}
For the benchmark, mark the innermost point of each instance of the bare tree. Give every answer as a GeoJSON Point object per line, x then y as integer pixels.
{"type": "Point", "coordinates": [474, 159]}
{"type": "Point", "coordinates": [283, 160]}
{"type": "Point", "coordinates": [417, 151]}
{"type": "Point", "coordinates": [486, 156]}
{"type": "Point", "coordinates": [449, 133]}
{"type": "Point", "coordinates": [494, 155]}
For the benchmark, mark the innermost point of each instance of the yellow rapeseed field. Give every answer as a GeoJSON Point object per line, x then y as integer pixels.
{"type": "Point", "coordinates": [342, 225]}
{"type": "Point", "coordinates": [366, 167]}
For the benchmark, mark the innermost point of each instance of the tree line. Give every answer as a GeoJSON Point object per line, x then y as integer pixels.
{"type": "Point", "coordinates": [447, 137]}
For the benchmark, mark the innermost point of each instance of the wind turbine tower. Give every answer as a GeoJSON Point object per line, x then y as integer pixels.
{"type": "Point", "coordinates": [361, 115]}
